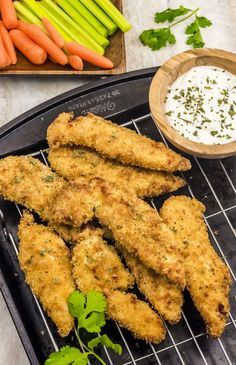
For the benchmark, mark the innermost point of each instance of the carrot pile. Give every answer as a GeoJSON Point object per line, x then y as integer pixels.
{"type": "Point", "coordinates": [64, 31]}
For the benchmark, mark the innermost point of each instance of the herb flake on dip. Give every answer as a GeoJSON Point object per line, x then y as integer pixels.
{"type": "Point", "coordinates": [201, 105]}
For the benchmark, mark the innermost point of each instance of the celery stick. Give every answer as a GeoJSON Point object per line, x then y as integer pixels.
{"type": "Point", "coordinates": [70, 24]}
{"type": "Point", "coordinates": [64, 4]}
{"type": "Point", "coordinates": [35, 7]}
{"type": "Point", "coordinates": [31, 18]}
{"type": "Point", "coordinates": [99, 13]}
{"type": "Point", "coordinates": [21, 17]}
{"type": "Point", "coordinates": [114, 14]}
{"type": "Point", "coordinates": [91, 19]}
{"type": "Point", "coordinates": [68, 29]}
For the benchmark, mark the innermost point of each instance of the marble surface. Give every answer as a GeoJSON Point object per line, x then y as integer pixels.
{"type": "Point", "coordinates": [18, 94]}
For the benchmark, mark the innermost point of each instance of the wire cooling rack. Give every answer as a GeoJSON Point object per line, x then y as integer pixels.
{"type": "Point", "coordinates": [213, 182]}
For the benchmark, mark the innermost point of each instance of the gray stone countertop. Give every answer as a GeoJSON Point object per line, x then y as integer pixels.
{"type": "Point", "coordinates": [18, 94]}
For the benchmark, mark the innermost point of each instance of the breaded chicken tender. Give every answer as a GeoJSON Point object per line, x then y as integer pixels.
{"type": "Point", "coordinates": [207, 277]}
{"type": "Point", "coordinates": [165, 297]}
{"type": "Point", "coordinates": [96, 264]}
{"type": "Point", "coordinates": [27, 181]}
{"type": "Point", "coordinates": [134, 224]}
{"type": "Point", "coordinates": [114, 142]}
{"type": "Point", "coordinates": [45, 260]}
{"type": "Point", "coordinates": [136, 316]}
{"type": "Point", "coordinates": [74, 162]}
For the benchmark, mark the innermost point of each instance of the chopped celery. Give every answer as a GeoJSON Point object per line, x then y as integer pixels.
{"type": "Point", "coordinates": [40, 13]}
{"type": "Point", "coordinates": [21, 17]}
{"type": "Point", "coordinates": [70, 10]}
{"type": "Point", "coordinates": [114, 14]}
{"type": "Point", "coordinates": [27, 14]}
{"type": "Point", "coordinates": [70, 24]}
{"type": "Point", "coordinates": [91, 19]}
{"type": "Point", "coordinates": [99, 13]}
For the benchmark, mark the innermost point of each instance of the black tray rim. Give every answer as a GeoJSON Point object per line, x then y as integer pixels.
{"type": "Point", "coordinates": [21, 120]}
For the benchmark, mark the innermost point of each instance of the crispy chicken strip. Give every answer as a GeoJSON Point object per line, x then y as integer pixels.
{"type": "Point", "coordinates": [136, 316]}
{"type": "Point", "coordinates": [27, 181]}
{"type": "Point", "coordinates": [74, 162]}
{"type": "Point", "coordinates": [114, 142]}
{"type": "Point", "coordinates": [207, 277]}
{"type": "Point", "coordinates": [45, 260]}
{"type": "Point", "coordinates": [96, 264]}
{"type": "Point", "coordinates": [165, 297]}
{"type": "Point", "coordinates": [134, 224]}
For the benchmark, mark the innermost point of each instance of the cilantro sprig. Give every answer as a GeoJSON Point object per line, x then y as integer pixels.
{"type": "Point", "coordinates": [194, 32]}
{"type": "Point", "coordinates": [161, 37]}
{"type": "Point", "coordinates": [89, 312]}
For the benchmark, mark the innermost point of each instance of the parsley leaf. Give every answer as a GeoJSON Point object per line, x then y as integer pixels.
{"type": "Point", "coordinates": [96, 302]}
{"type": "Point", "coordinates": [157, 38]}
{"type": "Point", "coordinates": [89, 310]}
{"type": "Point", "coordinates": [104, 340]}
{"type": "Point", "coordinates": [67, 356]}
{"type": "Point", "coordinates": [193, 29]}
{"type": "Point", "coordinates": [93, 323]}
{"type": "Point", "coordinates": [170, 14]}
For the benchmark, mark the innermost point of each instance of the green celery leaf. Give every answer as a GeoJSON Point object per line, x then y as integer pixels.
{"type": "Point", "coordinates": [96, 302]}
{"type": "Point", "coordinates": [170, 14]}
{"type": "Point", "coordinates": [76, 302]}
{"type": "Point", "coordinates": [67, 356]}
{"type": "Point", "coordinates": [157, 38]}
{"type": "Point", "coordinates": [203, 22]}
{"type": "Point", "coordinates": [104, 340]}
{"type": "Point", "coordinates": [93, 323]}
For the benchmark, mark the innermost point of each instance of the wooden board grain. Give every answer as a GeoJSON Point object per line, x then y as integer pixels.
{"type": "Point", "coordinates": [115, 51]}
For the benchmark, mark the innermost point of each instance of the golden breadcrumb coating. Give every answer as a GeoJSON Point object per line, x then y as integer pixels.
{"type": "Point", "coordinates": [134, 224]}
{"type": "Point", "coordinates": [45, 260]}
{"type": "Point", "coordinates": [136, 316]}
{"type": "Point", "coordinates": [27, 181]}
{"type": "Point", "coordinates": [96, 264]}
{"type": "Point", "coordinates": [74, 162]}
{"type": "Point", "coordinates": [114, 142]}
{"type": "Point", "coordinates": [207, 277]}
{"type": "Point", "coordinates": [165, 297]}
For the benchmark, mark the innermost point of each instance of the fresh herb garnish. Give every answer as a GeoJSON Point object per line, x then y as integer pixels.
{"type": "Point", "coordinates": [170, 14]}
{"type": "Point", "coordinates": [159, 38]}
{"type": "Point", "coordinates": [194, 32]}
{"type": "Point", "coordinates": [89, 312]}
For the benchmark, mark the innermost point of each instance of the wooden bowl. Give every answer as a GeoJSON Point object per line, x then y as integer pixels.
{"type": "Point", "coordinates": [166, 75]}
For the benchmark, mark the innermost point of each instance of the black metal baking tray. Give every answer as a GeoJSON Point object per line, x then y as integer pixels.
{"type": "Point", "coordinates": [124, 99]}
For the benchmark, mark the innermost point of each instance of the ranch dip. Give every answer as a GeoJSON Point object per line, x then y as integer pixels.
{"type": "Point", "coordinates": [201, 105]}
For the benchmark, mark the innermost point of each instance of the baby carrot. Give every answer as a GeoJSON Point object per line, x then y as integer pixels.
{"type": "Point", "coordinates": [39, 37]}
{"type": "Point", "coordinates": [53, 33]}
{"type": "Point", "coordinates": [75, 62]}
{"type": "Point", "coordinates": [8, 14]}
{"type": "Point", "coordinates": [30, 49]}
{"type": "Point", "coordinates": [3, 54]}
{"type": "Point", "coordinates": [9, 46]}
{"type": "Point", "coordinates": [88, 55]}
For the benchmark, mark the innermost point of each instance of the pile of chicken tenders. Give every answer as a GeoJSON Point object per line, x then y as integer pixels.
{"type": "Point", "coordinates": [99, 233]}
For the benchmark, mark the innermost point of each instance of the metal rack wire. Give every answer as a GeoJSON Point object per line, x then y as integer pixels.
{"type": "Point", "coordinates": [186, 345]}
